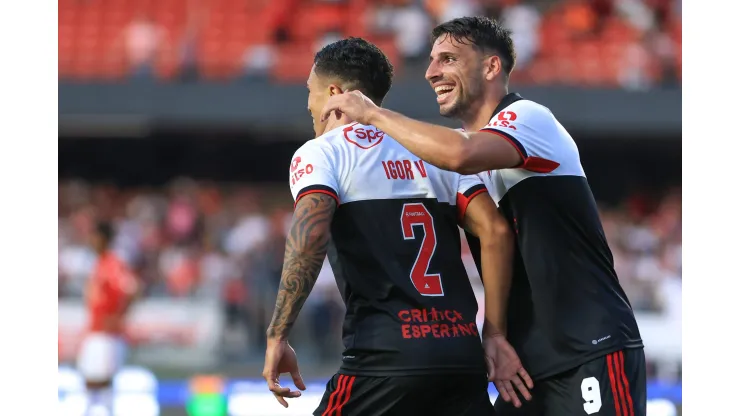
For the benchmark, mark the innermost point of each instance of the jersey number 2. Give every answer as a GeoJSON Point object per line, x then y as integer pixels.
{"type": "Point", "coordinates": [416, 214]}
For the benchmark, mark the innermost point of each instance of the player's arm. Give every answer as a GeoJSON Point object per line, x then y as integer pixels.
{"type": "Point", "coordinates": [483, 220]}
{"type": "Point", "coordinates": [314, 187]}
{"type": "Point", "coordinates": [446, 148]}
{"type": "Point", "coordinates": [305, 249]}
{"type": "Point", "coordinates": [126, 284]}
{"type": "Point", "coordinates": [132, 290]}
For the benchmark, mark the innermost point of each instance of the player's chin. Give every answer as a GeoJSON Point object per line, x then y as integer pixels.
{"type": "Point", "coordinates": [447, 110]}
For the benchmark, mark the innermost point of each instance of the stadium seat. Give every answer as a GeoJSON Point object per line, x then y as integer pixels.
{"type": "Point", "coordinates": [676, 35]}
{"type": "Point", "coordinates": [612, 54]}
{"type": "Point", "coordinates": [293, 63]}
{"type": "Point", "coordinates": [387, 44]}
{"type": "Point", "coordinates": [224, 31]}
{"type": "Point", "coordinates": [541, 71]}
{"type": "Point", "coordinates": [595, 75]}
{"type": "Point", "coordinates": [316, 18]}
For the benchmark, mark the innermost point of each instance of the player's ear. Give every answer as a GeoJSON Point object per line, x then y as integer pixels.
{"type": "Point", "coordinates": [492, 67]}
{"type": "Point", "coordinates": [335, 89]}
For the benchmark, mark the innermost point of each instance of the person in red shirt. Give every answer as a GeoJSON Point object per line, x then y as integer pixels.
{"type": "Point", "coordinates": [109, 294]}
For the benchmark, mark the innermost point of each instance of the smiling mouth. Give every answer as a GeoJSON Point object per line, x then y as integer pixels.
{"type": "Point", "coordinates": [443, 91]}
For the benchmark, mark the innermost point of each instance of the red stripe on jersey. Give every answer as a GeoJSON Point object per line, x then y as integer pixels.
{"type": "Point", "coordinates": [539, 165]}
{"type": "Point", "coordinates": [463, 201]}
{"type": "Point", "coordinates": [333, 396]}
{"type": "Point", "coordinates": [315, 191]}
{"type": "Point", "coordinates": [613, 382]}
{"type": "Point", "coordinates": [347, 394]}
{"type": "Point", "coordinates": [620, 388]}
{"type": "Point", "coordinates": [630, 406]}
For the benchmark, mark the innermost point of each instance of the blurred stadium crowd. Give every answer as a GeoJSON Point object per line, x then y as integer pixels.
{"type": "Point", "coordinates": [202, 240]}
{"type": "Point", "coordinates": [633, 44]}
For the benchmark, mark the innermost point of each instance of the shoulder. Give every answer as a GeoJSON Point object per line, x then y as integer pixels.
{"type": "Point", "coordinates": [530, 107]}
{"type": "Point", "coordinates": [319, 145]}
{"type": "Point", "coordinates": [523, 111]}
{"type": "Point", "coordinates": [319, 150]}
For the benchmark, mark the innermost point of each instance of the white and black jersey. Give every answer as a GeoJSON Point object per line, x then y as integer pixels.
{"type": "Point", "coordinates": [395, 253]}
{"type": "Point", "coordinates": [566, 305]}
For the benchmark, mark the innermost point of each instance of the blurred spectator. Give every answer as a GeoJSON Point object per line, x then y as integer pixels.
{"type": "Point", "coordinates": [633, 44]}
{"type": "Point", "coordinates": [407, 21]}
{"type": "Point", "coordinates": [205, 241]}
{"type": "Point", "coordinates": [524, 21]}
{"type": "Point", "coordinates": [444, 10]}
{"type": "Point", "coordinates": [251, 227]}
{"type": "Point", "coordinates": [143, 42]}
{"type": "Point", "coordinates": [258, 60]}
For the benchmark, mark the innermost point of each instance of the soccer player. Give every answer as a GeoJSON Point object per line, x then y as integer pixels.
{"type": "Point", "coordinates": [389, 224]}
{"type": "Point", "coordinates": [110, 291]}
{"type": "Point", "coordinates": [568, 317]}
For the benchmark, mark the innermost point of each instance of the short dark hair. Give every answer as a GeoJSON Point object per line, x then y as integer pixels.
{"type": "Point", "coordinates": [359, 63]}
{"type": "Point", "coordinates": [483, 33]}
{"type": "Point", "coordinates": [105, 230]}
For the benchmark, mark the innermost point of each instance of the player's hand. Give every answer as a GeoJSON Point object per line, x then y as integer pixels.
{"type": "Point", "coordinates": [353, 104]}
{"type": "Point", "coordinates": [280, 358]}
{"type": "Point", "coordinates": [505, 369]}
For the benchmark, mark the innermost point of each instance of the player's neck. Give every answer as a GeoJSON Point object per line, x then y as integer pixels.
{"type": "Point", "coordinates": [335, 122]}
{"type": "Point", "coordinates": [480, 115]}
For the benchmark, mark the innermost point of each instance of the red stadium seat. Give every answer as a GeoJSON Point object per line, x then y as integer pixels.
{"type": "Point", "coordinates": [316, 18]}
{"type": "Point", "coordinates": [612, 55]}
{"type": "Point", "coordinates": [589, 70]}
{"type": "Point", "coordinates": [541, 71]}
{"type": "Point", "coordinates": [90, 34]}
{"type": "Point", "coordinates": [388, 46]}
{"type": "Point", "coordinates": [293, 63]}
{"type": "Point", "coordinates": [218, 60]}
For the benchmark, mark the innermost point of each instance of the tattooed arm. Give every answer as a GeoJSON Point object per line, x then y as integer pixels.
{"type": "Point", "coordinates": [305, 250]}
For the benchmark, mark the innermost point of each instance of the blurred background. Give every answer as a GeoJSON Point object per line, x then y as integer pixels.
{"type": "Point", "coordinates": [178, 119]}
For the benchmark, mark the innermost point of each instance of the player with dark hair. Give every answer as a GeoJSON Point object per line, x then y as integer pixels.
{"type": "Point", "coordinates": [389, 224]}
{"type": "Point", "coordinates": [568, 317]}
{"type": "Point", "coordinates": [350, 60]}
{"type": "Point", "coordinates": [110, 292]}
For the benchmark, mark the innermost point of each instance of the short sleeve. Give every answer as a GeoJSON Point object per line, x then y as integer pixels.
{"type": "Point", "coordinates": [469, 186]}
{"type": "Point", "coordinates": [532, 129]}
{"type": "Point", "coordinates": [312, 170]}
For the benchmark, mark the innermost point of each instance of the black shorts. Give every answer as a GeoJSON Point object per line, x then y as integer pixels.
{"type": "Point", "coordinates": [429, 395]}
{"type": "Point", "coordinates": [612, 385]}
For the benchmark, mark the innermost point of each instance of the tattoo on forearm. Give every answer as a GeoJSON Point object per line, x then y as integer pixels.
{"type": "Point", "coordinates": [305, 249]}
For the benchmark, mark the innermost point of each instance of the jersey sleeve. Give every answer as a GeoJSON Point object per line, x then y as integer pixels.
{"type": "Point", "coordinates": [468, 188]}
{"type": "Point", "coordinates": [534, 132]}
{"type": "Point", "coordinates": [312, 170]}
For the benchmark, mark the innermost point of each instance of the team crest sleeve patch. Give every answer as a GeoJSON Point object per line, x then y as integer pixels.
{"type": "Point", "coordinates": [311, 171]}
